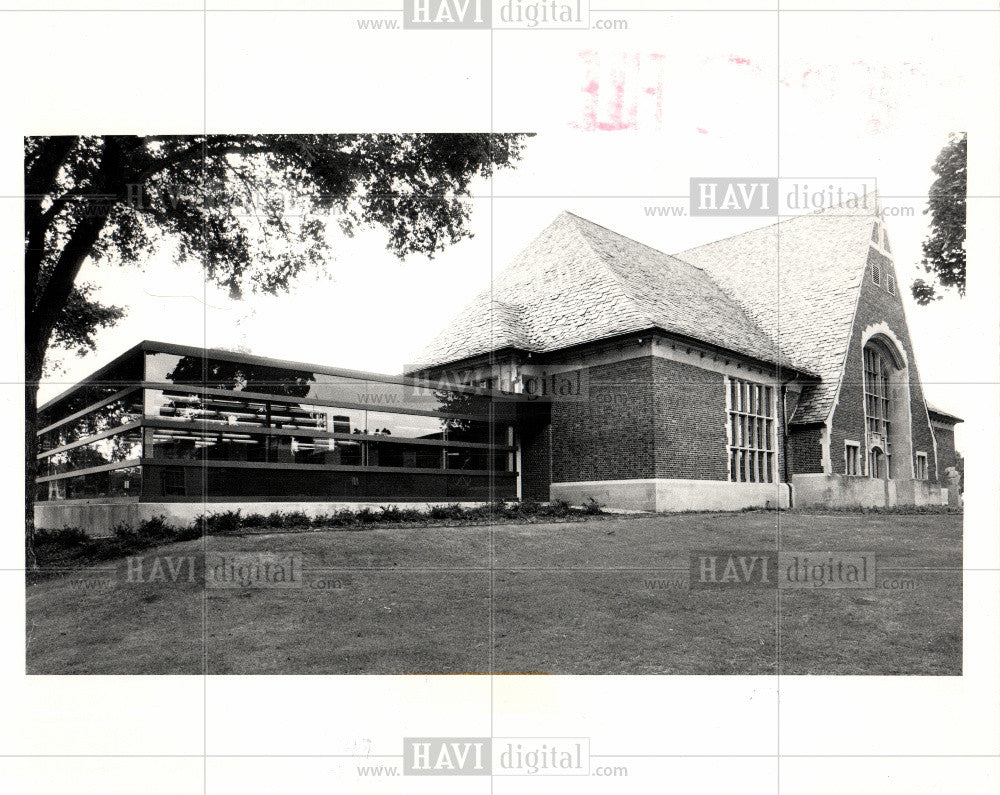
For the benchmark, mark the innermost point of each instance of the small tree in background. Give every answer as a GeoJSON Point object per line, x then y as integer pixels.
{"type": "Point", "coordinates": [944, 249]}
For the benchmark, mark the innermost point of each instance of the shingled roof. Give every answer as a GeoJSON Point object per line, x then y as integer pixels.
{"type": "Point", "coordinates": [579, 282]}
{"type": "Point", "coordinates": [800, 281]}
{"type": "Point", "coordinates": [784, 294]}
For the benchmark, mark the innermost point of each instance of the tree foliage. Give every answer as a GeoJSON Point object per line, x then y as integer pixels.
{"type": "Point", "coordinates": [944, 248]}
{"type": "Point", "coordinates": [253, 210]}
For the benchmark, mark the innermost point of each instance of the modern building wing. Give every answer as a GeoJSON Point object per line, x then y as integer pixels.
{"type": "Point", "coordinates": [169, 424]}
{"type": "Point", "coordinates": [766, 369]}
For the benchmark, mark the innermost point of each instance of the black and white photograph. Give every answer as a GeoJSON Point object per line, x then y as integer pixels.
{"type": "Point", "coordinates": [503, 389]}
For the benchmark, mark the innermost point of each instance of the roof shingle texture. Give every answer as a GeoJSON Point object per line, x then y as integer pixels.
{"type": "Point", "coordinates": [784, 294]}
{"type": "Point", "coordinates": [800, 281]}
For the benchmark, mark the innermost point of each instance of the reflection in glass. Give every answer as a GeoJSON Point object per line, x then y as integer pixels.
{"type": "Point", "coordinates": [119, 412]}
{"type": "Point", "coordinates": [109, 450]}
{"type": "Point", "coordinates": [407, 426]}
{"type": "Point", "coordinates": [125, 482]}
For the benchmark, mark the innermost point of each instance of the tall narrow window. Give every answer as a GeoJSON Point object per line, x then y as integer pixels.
{"type": "Point", "coordinates": [751, 432]}
{"type": "Point", "coordinates": [852, 458]}
{"type": "Point", "coordinates": [921, 468]}
{"type": "Point", "coordinates": [876, 464]}
{"type": "Point", "coordinates": [878, 410]}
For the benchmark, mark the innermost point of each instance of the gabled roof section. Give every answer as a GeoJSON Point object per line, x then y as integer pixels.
{"type": "Point", "coordinates": [800, 281]}
{"type": "Point", "coordinates": [943, 416]}
{"type": "Point", "coordinates": [579, 282]}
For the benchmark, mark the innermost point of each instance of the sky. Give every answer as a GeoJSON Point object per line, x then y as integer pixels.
{"type": "Point", "coordinates": [710, 99]}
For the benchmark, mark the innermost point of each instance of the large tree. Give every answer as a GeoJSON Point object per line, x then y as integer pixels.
{"type": "Point", "coordinates": [252, 209]}
{"type": "Point", "coordinates": [944, 248]}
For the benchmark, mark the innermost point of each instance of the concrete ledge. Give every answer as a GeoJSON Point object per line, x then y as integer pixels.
{"type": "Point", "coordinates": [628, 495]}
{"type": "Point", "coordinates": [668, 495]}
{"type": "Point", "coordinates": [99, 518]}
{"type": "Point", "coordinates": [856, 491]}
{"type": "Point", "coordinates": [840, 491]}
{"type": "Point", "coordinates": [714, 495]}
{"type": "Point", "coordinates": [920, 492]}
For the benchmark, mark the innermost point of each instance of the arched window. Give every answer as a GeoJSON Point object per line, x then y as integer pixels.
{"type": "Point", "coordinates": [879, 366]}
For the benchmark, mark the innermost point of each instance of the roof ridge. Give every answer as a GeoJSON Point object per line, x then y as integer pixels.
{"type": "Point", "coordinates": [618, 279]}
{"type": "Point", "coordinates": [612, 231]}
{"type": "Point", "coordinates": [792, 219]}
{"type": "Point", "coordinates": [626, 288]}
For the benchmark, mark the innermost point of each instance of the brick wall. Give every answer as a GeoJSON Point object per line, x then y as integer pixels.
{"type": "Point", "coordinates": [609, 436]}
{"type": "Point", "coordinates": [946, 454]}
{"type": "Point", "coordinates": [688, 421]}
{"type": "Point", "coordinates": [536, 460]}
{"type": "Point", "coordinates": [804, 449]}
{"type": "Point", "coordinates": [646, 417]}
{"type": "Point", "coordinates": [876, 305]}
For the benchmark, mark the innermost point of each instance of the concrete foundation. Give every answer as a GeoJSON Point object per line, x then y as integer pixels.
{"type": "Point", "coordinates": [850, 491]}
{"type": "Point", "coordinates": [100, 518]}
{"type": "Point", "coordinates": [663, 495]}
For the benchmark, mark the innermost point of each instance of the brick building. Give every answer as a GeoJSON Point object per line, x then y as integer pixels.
{"type": "Point", "coordinates": [769, 368]}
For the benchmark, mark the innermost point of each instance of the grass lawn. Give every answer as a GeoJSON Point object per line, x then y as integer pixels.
{"type": "Point", "coordinates": [602, 596]}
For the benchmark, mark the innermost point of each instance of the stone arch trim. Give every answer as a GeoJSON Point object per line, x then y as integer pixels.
{"type": "Point", "coordinates": [881, 331]}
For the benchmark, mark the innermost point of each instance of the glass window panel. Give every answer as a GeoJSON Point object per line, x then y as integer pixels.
{"type": "Point", "coordinates": [125, 482]}
{"type": "Point", "coordinates": [109, 450]}
{"type": "Point", "coordinates": [751, 428]}
{"type": "Point", "coordinates": [409, 426]}
{"type": "Point", "coordinates": [252, 412]}
{"type": "Point", "coordinates": [80, 399]}
{"type": "Point", "coordinates": [264, 378]}
{"type": "Point", "coordinates": [348, 453]}
{"type": "Point", "coordinates": [390, 454]}
{"type": "Point", "coordinates": [116, 378]}
{"type": "Point", "coordinates": [240, 376]}
{"type": "Point", "coordinates": [302, 416]}
{"type": "Point", "coordinates": [193, 445]}
{"type": "Point", "coordinates": [478, 431]}
{"type": "Point", "coordinates": [171, 443]}
{"type": "Point", "coordinates": [464, 458]}
{"type": "Point", "coordinates": [120, 412]}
